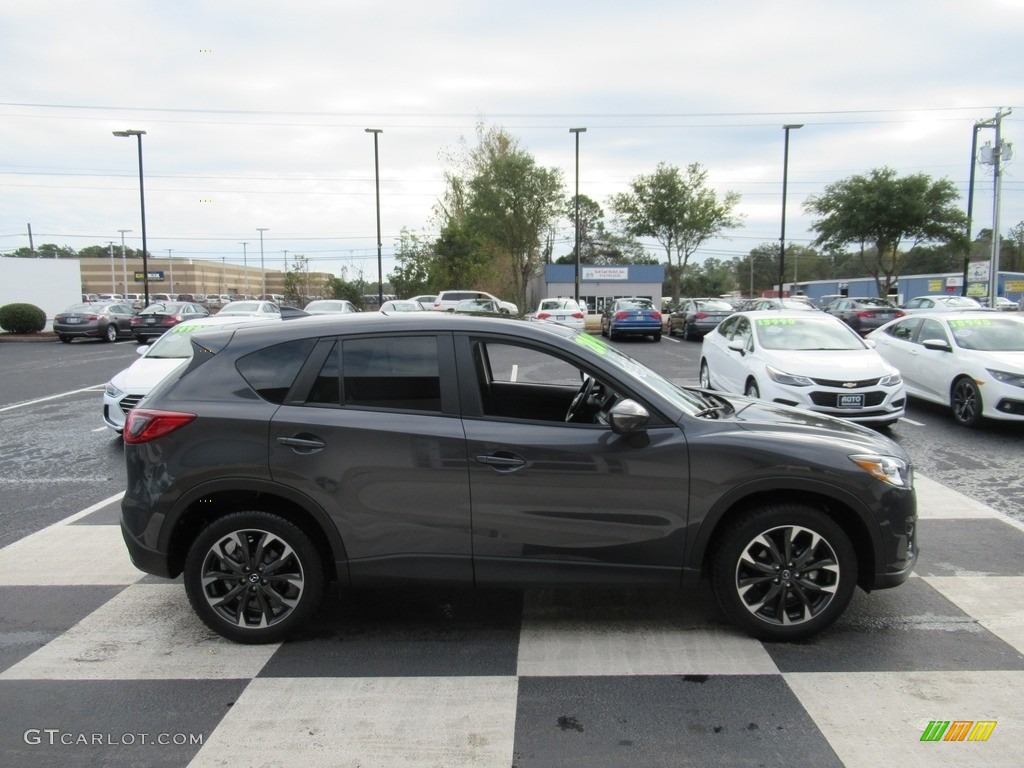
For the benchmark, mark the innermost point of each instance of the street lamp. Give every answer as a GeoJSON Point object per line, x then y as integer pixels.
{"type": "Point", "coordinates": [577, 131]}
{"type": "Point", "coordinates": [245, 268]}
{"type": "Point", "coordinates": [113, 280]}
{"type": "Point", "coordinates": [170, 266]}
{"type": "Point", "coordinates": [142, 202]}
{"type": "Point", "coordinates": [263, 271]}
{"type": "Point", "coordinates": [376, 171]}
{"type": "Point", "coordinates": [124, 262]}
{"type": "Point", "coordinates": [785, 178]}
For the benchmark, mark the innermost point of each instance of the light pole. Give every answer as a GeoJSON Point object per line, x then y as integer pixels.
{"type": "Point", "coordinates": [376, 171]}
{"type": "Point", "coordinates": [170, 267]}
{"type": "Point", "coordinates": [245, 267]}
{"type": "Point", "coordinates": [263, 271]}
{"type": "Point", "coordinates": [113, 280]}
{"type": "Point", "coordinates": [124, 262]}
{"type": "Point", "coordinates": [785, 179]}
{"type": "Point", "coordinates": [577, 131]}
{"type": "Point", "coordinates": [142, 203]}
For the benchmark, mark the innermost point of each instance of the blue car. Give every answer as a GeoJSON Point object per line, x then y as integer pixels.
{"type": "Point", "coordinates": [635, 316]}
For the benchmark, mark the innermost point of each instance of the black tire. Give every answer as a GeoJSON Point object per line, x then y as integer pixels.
{"type": "Point", "coordinates": [965, 402]}
{"type": "Point", "coordinates": [657, 336]}
{"type": "Point", "coordinates": [253, 577]}
{"type": "Point", "coordinates": [705, 375]}
{"type": "Point", "coordinates": [64, 339]}
{"type": "Point", "coordinates": [604, 331]}
{"type": "Point", "coordinates": [110, 333]}
{"type": "Point", "coordinates": [784, 572]}
{"type": "Point", "coordinates": [752, 390]}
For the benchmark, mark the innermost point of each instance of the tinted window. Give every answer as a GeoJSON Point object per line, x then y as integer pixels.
{"type": "Point", "coordinates": [399, 372]}
{"type": "Point", "coordinates": [271, 371]}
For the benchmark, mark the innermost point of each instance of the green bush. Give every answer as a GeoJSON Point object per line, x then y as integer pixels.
{"type": "Point", "coordinates": [22, 318]}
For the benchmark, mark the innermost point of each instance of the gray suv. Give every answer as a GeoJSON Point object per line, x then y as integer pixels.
{"type": "Point", "coordinates": [429, 447]}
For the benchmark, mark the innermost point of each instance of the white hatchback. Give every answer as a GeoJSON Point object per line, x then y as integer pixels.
{"type": "Point", "coordinates": [809, 360]}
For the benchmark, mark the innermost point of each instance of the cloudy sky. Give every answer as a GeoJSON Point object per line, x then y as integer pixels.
{"type": "Point", "coordinates": [255, 112]}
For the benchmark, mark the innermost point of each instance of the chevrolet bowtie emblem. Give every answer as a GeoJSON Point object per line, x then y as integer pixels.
{"type": "Point", "coordinates": [850, 384]}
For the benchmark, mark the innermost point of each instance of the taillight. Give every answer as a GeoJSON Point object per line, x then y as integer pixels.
{"type": "Point", "coordinates": [577, 315]}
{"type": "Point", "coordinates": [543, 315]}
{"type": "Point", "coordinates": [620, 315]}
{"type": "Point", "coordinates": [700, 316]}
{"type": "Point", "coordinates": [171, 320]}
{"type": "Point", "coordinates": [656, 315]}
{"type": "Point", "coordinates": [142, 424]}
{"type": "Point", "coordinates": [865, 313]}
{"type": "Point", "coordinates": [899, 313]}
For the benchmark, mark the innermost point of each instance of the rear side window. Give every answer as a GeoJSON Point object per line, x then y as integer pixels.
{"type": "Point", "coordinates": [398, 373]}
{"type": "Point", "coordinates": [272, 370]}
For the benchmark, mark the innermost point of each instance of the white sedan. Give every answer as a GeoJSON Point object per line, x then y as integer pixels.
{"type": "Point", "coordinates": [972, 362]}
{"type": "Point", "coordinates": [562, 311]}
{"type": "Point", "coordinates": [172, 349]}
{"type": "Point", "coordinates": [251, 308]}
{"type": "Point", "coordinates": [810, 360]}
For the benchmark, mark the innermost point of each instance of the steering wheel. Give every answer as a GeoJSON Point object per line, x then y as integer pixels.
{"type": "Point", "coordinates": [581, 397]}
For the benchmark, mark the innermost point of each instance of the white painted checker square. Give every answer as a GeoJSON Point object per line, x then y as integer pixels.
{"type": "Point", "coordinates": [147, 632]}
{"type": "Point", "coordinates": [446, 722]}
{"type": "Point", "coordinates": [634, 634]}
{"type": "Point", "coordinates": [994, 601]}
{"type": "Point", "coordinates": [873, 719]}
{"type": "Point", "coordinates": [937, 502]}
{"type": "Point", "coordinates": [69, 554]}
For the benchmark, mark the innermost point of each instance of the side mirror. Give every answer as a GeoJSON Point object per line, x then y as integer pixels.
{"type": "Point", "coordinates": [938, 344]}
{"type": "Point", "coordinates": [628, 417]}
{"type": "Point", "coordinates": [737, 345]}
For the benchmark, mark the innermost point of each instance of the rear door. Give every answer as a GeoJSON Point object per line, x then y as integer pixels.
{"type": "Point", "coordinates": [371, 432]}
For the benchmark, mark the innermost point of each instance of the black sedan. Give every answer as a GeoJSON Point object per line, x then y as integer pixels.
{"type": "Point", "coordinates": [155, 319]}
{"type": "Point", "coordinates": [694, 318]}
{"type": "Point", "coordinates": [864, 313]}
{"type": "Point", "coordinates": [106, 320]}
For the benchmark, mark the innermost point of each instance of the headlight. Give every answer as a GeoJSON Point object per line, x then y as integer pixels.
{"type": "Point", "coordinates": [1014, 379]}
{"type": "Point", "coordinates": [111, 391]}
{"type": "Point", "coordinates": [891, 380]}
{"type": "Point", "coordinates": [788, 379]}
{"type": "Point", "coordinates": [888, 469]}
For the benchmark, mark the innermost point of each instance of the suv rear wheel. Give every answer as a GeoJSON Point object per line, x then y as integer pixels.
{"type": "Point", "coordinates": [253, 577]}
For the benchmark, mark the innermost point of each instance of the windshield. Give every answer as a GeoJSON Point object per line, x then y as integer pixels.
{"type": "Point", "coordinates": [714, 305]}
{"type": "Point", "coordinates": [174, 343]}
{"type": "Point", "coordinates": [806, 334]}
{"type": "Point", "coordinates": [681, 398]}
{"type": "Point", "coordinates": [985, 335]}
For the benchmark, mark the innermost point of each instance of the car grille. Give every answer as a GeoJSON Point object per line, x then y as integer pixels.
{"type": "Point", "coordinates": [129, 401]}
{"type": "Point", "coordinates": [844, 384]}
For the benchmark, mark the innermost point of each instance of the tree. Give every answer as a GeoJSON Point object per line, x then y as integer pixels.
{"type": "Point", "coordinates": [496, 211]}
{"type": "Point", "coordinates": [47, 251]}
{"type": "Point", "coordinates": [882, 211]}
{"type": "Point", "coordinates": [597, 244]}
{"type": "Point", "coordinates": [677, 210]}
{"type": "Point", "coordinates": [1011, 258]}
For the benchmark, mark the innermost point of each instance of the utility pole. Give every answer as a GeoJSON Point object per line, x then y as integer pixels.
{"type": "Point", "coordinates": [998, 152]}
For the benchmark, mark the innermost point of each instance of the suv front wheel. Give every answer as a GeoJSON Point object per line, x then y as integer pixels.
{"type": "Point", "coordinates": [253, 577]}
{"type": "Point", "coordinates": [784, 572]}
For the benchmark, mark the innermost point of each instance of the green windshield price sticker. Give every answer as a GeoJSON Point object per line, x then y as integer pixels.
{"type": "Point", "coordinates": [595, 344]}
{"type": "Point", "coordinates": [777, 321]}
{"type": "Point", "coordinates": [968, 323]}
